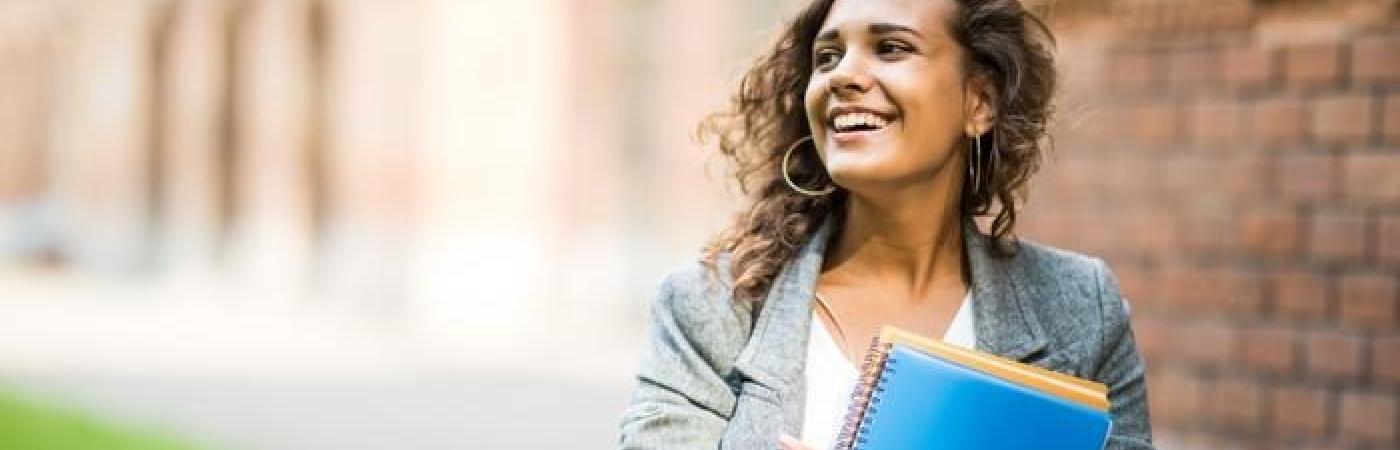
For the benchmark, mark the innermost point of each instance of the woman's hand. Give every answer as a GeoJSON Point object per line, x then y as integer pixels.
{"type": "Point", "coordinates": [791, 443]}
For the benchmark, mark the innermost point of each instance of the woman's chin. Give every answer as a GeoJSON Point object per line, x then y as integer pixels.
{"type": "Point", "coordinates": [854, 177]}
{"type": "Point", "coordinates": [858, 166]}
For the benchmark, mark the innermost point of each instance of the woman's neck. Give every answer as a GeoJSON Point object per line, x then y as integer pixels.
{"type": "Point", "coordinates": [910, 243]}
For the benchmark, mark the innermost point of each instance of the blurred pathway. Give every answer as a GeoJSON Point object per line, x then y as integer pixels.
{"type": "Point", "coordinates": [496, 411]}
{"type": "Point", "coordinates": [242, 371]}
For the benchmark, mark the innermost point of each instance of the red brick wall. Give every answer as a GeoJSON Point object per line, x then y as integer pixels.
{"type": "Point", "coordinates": [1240, 171]}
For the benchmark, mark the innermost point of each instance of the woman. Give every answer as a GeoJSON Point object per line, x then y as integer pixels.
{"type": "Point", "coordinates": [869, 138]}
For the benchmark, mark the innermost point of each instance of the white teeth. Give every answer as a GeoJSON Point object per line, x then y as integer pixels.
{"type": "Point", "coordinates": [849, 120]}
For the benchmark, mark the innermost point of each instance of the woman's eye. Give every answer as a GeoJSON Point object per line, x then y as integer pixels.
{"type": "Point", "coordinates": [825, 57]}
{"type": "Point", "coordinates": [889, 47]}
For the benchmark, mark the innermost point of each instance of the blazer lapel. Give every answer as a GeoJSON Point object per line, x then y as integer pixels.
{"type": "Point", "coordinates": [1006, 324]}
{"type": "Point", "coordinates": [777, 350]}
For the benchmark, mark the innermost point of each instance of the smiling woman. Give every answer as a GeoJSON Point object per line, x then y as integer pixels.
{"type": "Point", "coordinates": [988, 55]}
{"type": "Point", "coordinates": [869, 138]}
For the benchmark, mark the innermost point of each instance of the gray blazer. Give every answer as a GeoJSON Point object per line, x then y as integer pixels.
{"type": "Point", "coordinates": [716, 374]}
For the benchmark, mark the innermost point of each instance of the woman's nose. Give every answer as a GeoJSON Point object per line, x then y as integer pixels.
{"type": "Point", "coordinates": [850, 77]}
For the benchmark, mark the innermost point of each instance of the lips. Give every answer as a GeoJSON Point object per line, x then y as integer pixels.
{"type": "Point", "coordinates": [850, 123]}
{"type": "Point", "coordinates": [857, 121]}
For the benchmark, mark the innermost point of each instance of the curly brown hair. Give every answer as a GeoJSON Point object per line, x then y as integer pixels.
{"type": "Point", "coordinates": [1003, 42]}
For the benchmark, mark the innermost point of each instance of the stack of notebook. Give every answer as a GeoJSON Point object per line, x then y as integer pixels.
{"type": "Point", "coordinates": [920, 393]}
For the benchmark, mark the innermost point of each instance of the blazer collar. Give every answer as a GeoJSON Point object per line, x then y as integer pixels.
{"type": "Point", "coordinates": [1003, 315]}
{"type": "Point", "coordinates": [777, 349]}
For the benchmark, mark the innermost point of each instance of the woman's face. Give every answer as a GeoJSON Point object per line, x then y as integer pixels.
{"type": "Point", "coordinates": [887, 103]}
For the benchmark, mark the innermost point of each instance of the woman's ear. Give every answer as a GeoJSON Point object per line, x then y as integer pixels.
{"type": "Point", "coordinates": [979, 105]}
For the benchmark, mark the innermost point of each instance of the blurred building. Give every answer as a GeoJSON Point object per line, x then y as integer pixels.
{"type": "Point", "coordinates": [464, 170]}
{"type": "Point", "coordinates": [255, 188]}
{"type": "Point", "coordinates": [210, 196]}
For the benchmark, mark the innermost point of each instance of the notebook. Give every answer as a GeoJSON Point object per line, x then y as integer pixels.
{"type": "Point", "coordinates": [920, 393]}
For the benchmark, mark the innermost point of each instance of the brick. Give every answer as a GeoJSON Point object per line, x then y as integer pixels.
{"type": "Point", "coordinates": [1148, 234]}
{"type": "Point", "coordinates": [1301, 411]}
{"type": "Point", "coordinates": [1247, 175]}
{"type": "Point", "coordinates": [1215, 121]}
{"type": "Point", "coordinates": [1189, 173]}
{"type": "Point", "coordinates": [1174, 398]}
{"type": "Point", "coordinates": [1306, 177]}
{"type": "Point", "coordinates": [1226, 440]}
{"type": "Point", "coordinates": [1373, 59]}
{"type": "Point", "coordinates": [1300, 295]}
{"type": "Point", "coordinates": [1213, 292]}
{"type": "Point", "coordinates": [1368, 300]}
{"type": "Point", "coordinates": [1372, 177]}
{"type": "Point", "coordinates": [1388, 243]}
{"type": "Point", "coordinates": [1390, 123]}
{"type": "Point", "coordinates": [1385, 365]}
{"type": "Point", "coordinates": [1344, 119]}
{"type": "Point", "coordinates": [1241, 293]}
{"type": "Point", "coordinates": [1138, 286]}
{"type": "Point", "coordinates": [1052, 227]}
{"type": "Point", "coordinates": [1208, 344]}
{"type": "Point", "coordinates": [1059, 182]}
{"type": "Point", "coordinates": [1134, 70]}
{"type": "Point", "coordinates": [1335, 354]}
{"type": "Point", "coordinates": [1096, 242]}
{"type": "Point", "coordinates": [1280, 121]}
{"type": "Point", "coordinates": [1155, 122]}
{"type": "Point", "coordinates": [1369, 416]}
{"type": "Point", "coordinates": [1206, 235]}
{"type": "Point", "coordinates": [1337, 236]}
{"type": "Point", "coordinates": [1237, 403]}
{"type": "Point", "coordinates": [1271, 349]}
{"type": "Point", "coordinates": [1184, 290]}
{"type": "Point", "coordinates": [1083, 174]}
{"type": "Point", "coordinates": [1193, 67]}
{"type": "Point", "coordinates": [1270, 233]}
{"type": "Point", "coordinates": [1189, 439]}
{"type": "Point", "coordinates": [1249, 68]}
{"type": "Point", "coordinates": [1313, 65]}
{"type": "Point", "coordinates": [1153, 336]}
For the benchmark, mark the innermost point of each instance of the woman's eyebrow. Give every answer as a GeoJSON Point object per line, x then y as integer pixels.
{"type": "Point", "coordinates": [875, 28]}
{"type": "Point", "coordinates": [887, 28]}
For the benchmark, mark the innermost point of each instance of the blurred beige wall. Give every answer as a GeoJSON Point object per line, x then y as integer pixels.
{"type": "Point", "coordinates": [459, 173]}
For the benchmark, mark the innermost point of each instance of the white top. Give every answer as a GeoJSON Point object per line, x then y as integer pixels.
{"type": "Point", "coordinates": [830, 377]}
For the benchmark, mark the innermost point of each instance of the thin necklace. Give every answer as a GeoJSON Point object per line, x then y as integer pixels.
{"type": "Point", "coordinates": [845, 343]}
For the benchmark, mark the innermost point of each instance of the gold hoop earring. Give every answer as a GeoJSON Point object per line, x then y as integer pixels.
{"type": "Point", "coordinates": [787, 155]}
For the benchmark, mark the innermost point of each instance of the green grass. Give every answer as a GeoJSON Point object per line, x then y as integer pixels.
{"type": "Point", "coordinates": [27, 425]}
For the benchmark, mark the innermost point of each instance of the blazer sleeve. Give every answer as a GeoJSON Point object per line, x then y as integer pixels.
{"type": "Point", "coordinates": [1121, 369]}
{"type": "Point", "coordinates": [680, 401]}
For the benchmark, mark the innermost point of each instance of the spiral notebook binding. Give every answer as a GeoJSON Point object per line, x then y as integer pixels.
{"type": "Point", "coordinates": [865, 395]}
{"type": "Point", "coordinates": [869, 415]}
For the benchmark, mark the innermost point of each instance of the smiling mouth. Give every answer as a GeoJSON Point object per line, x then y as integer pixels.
{"type": "Point", "coordinates": [856, 122]}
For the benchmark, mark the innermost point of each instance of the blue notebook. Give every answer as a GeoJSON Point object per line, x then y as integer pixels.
{"type": "Point", "coordinates": [915, 397]}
